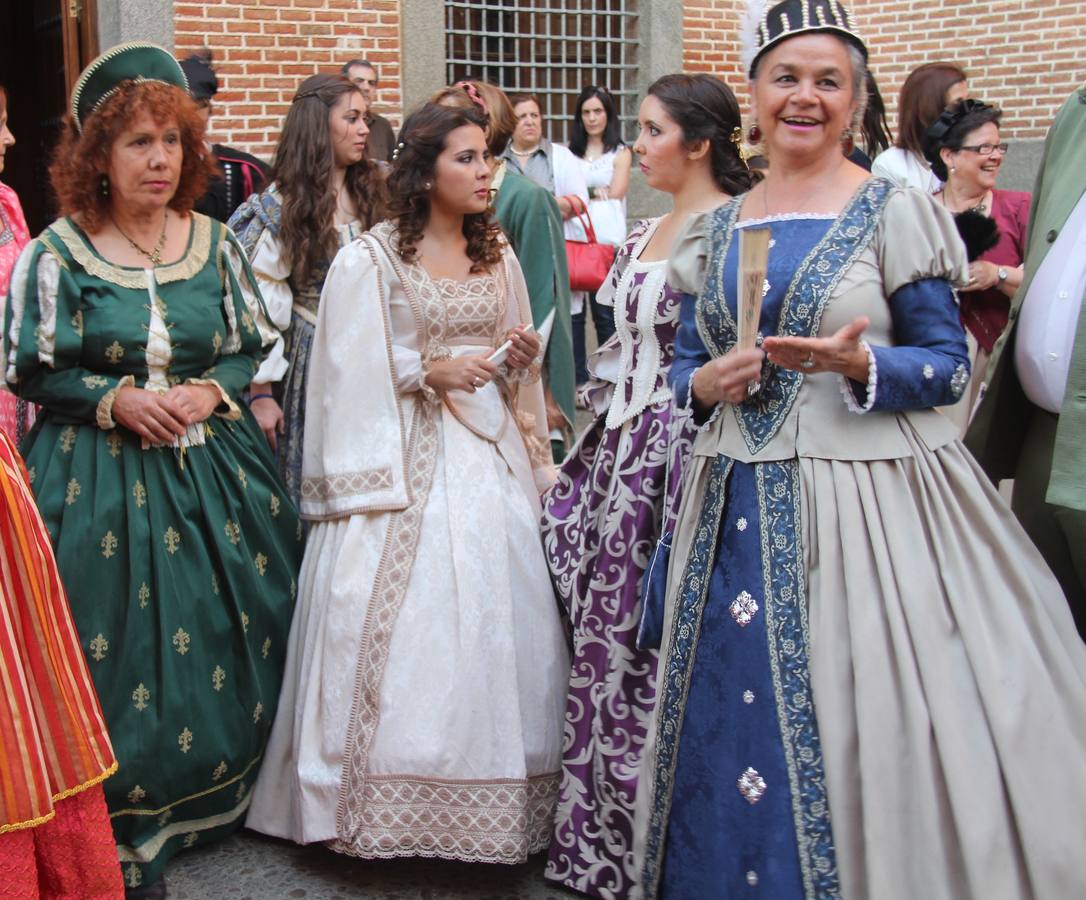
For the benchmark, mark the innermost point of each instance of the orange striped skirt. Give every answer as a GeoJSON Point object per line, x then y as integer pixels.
{"type": "Point", "coordinates": [53, 739]}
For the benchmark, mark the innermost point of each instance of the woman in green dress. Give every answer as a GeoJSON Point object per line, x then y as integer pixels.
{"type": "Point", "coordinates": [136, 323]}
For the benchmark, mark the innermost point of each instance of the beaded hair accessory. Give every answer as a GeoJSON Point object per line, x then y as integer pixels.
{"type": "Point", "coordinates": [935, 137]}
{"type": "Point", "coordinates": [396, 152]}
{"type": "Point", "coordinates": [765, 25]}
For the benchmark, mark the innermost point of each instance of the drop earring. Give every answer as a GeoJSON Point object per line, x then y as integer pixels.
{"type": "Point", "coordinates": [103, 185]}
{"type": "Point", "coordinates": [754, 134]}
{"type": "Point", "coordinates": [848, 142]}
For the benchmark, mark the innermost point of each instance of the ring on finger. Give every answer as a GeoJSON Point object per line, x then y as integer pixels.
{"type": "Point", "coordinates": [809, 361]}
{"type": "Point", "coordinates": [477, 383]}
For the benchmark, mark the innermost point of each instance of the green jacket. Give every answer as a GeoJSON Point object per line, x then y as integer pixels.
{"type": "Point", "coordinates": [529, 216]}
{"type": "Point", "coordinates": [998, 430]}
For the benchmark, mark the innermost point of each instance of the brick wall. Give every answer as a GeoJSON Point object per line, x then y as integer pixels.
{"type": "Point", "coordinates": [264, 51]}
{"type": "Point", "coordinates": [1022, 55]}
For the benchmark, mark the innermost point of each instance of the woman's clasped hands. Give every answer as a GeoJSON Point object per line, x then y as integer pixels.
{"type": "Point", "coordinates": [470, 373]}
{"type": "Point", "coordinates": [159, 418]}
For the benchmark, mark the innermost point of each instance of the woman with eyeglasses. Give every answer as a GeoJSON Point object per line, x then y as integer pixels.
{"type": "Point", "coordinates": [965, 152]}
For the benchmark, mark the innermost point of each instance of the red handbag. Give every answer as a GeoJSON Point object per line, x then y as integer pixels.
{"type": "Point", "coordinates": [589, 261]}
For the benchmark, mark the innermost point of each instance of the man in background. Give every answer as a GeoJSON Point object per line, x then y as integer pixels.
{"type": "Point", "coordinates": [1031, 423]}
{"type": "Point", "coordinates": [240, 173]}
{"type": "Point", "coordinates": [381, 141]}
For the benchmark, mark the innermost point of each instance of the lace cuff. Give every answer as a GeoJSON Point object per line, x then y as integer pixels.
{"type": "Point", "coordinates": [104, 411]}
{"type": "Point", "coordinates": [522, 376]}
{"type": "Point", "coordinates": [233, 412]}
{"type": "Point", "coordinates": [848, 390]}
{"type": "Point", "coordinates": [429, 393]}
{"type": "Point", "coordinates": [687, 406]}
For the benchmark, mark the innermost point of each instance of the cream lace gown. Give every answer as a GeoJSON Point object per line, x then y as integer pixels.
{"type": "Point", "coordinates": [426, 673]}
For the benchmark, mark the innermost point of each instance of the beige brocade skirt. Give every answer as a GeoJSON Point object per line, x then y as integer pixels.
{"type": "Point", "coordinates": [949, 684]}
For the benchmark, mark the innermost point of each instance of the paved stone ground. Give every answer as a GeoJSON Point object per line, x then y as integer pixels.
{"type": "Point", "coordinates": [249, 866]}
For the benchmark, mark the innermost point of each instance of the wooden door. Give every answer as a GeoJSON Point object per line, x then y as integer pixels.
{"type": "Point", "coordinates": [44, 45]}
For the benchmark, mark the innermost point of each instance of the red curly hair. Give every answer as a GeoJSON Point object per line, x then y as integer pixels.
{"type": "Point", "coordinates": [82, 158]}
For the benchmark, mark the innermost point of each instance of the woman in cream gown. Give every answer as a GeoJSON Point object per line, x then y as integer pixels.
{"type": "Point", "coordinates": [426, 670]}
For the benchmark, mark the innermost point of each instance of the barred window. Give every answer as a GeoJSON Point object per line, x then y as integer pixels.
{"type": "Point", "coordinates": [551, 48]}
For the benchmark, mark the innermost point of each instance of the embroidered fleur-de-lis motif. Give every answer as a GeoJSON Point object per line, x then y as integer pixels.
{"type": "Point", "coordinates": [266, 648]}
{"type": "Point", "coordinates": [751, 785]}
{"type": "Point", "coordinates": [274, 505]}
{"type": "Point", "coordinates": [743, 609]}
{"type": "Point", "coordinates": [67, 439]}
{"type": "Point", "coordinates": [216, 342]}
{"type": "Point", "coordinates": [165, 818]}
{"type": "Point", "coordinates": [191, 838]}
{"type": "Point", "coordinates": [215, 582]}
{"type": "Point", "coordinates": [94, 381]}
{"type": "Point", "coordinates": [109, 544]}
{"type": "Point", "coordinates": [258, 711]}
{"type": "Point", "coordinates": [242, 478]}
{"type": "Point", "coordinates": [99, 647]}
{"type": "Point", "coordinates": [233, 532]}
{"type": "Point", "coordinates": [77, 322]}
{"type": "Point", "coordinates": [114, 441]}
{"type": "Point", "coordinates": [220, 770]}
{"type": "Point", "coordinates": [245, 622]}
{"type": "Point", "coordinates": [218, 677]}
{"type": "Point", "coordinates": [247, 322]}
{"type": "Point", "coordinates": [139, 493]}
{"type": "Point", "coordinates": [140, 696]}
{"type": "Point", "coordinates": [184, 740]}
{"type": "Point", "coordinates": [261, 563]}
{"type": "Point", "coordinates": [172, 539]}
{"type": "Point", "coordinates": [239, 794]}
{"type": "Point", "coordinates": [181, 641]}
{"type": "Point", "coordinates": [114, 352]}
{"type": "Point", "coordinates": [144, 595]}
{"type": "Point", "coordinates": [133, 877]}
{"type": "Point", "coordinates": [32, 474]}
{"type": "Point", "coordinates": [136, 795]}
{"type": "Point", "coordinates": [73, 492]}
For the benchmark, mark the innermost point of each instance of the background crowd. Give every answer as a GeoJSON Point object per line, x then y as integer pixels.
{"type": "Point", "coordinates": [300, 532]}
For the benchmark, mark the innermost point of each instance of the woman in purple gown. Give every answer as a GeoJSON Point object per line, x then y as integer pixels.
{"type": "Point", "coordinates": [615, 490]}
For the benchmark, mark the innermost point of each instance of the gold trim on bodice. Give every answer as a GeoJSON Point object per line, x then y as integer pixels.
{"type": "Point", "coordinates": [193, 261]}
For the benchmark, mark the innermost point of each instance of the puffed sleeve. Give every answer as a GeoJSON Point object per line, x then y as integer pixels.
{"type": "Point", "coordinates": [44, 331]}
{"type": "Point", "coordinates": [922, 258]}
{"type": "Point", "coordinates": [271, 271]}
{"type": "Point", "coordinates": [249, 332]}
{"type": "Point", "coordinates": [690, 255]}
{"type": "Point", "coordinates": [256, 225]}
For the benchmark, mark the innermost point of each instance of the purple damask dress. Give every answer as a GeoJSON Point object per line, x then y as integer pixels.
{"type": "Point", "coordinates": [601, 521]}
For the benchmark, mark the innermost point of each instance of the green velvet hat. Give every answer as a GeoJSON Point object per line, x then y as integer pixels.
{"type": "Point", "coordinates": [134, 61]}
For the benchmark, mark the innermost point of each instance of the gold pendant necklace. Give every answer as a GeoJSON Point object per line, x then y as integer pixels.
{"type": "Point", "coordinates": [155, 253]}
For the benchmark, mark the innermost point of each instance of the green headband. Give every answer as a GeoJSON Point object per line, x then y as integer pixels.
{"type": "Point", "coordinates": [134, 61]}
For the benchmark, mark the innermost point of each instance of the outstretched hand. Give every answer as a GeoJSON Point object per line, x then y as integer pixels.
{"type": "Point", "coordinates": [841, 353]}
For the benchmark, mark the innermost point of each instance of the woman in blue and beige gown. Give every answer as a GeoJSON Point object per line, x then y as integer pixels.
{"type": "Point", "coordinates": [870, 683]}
